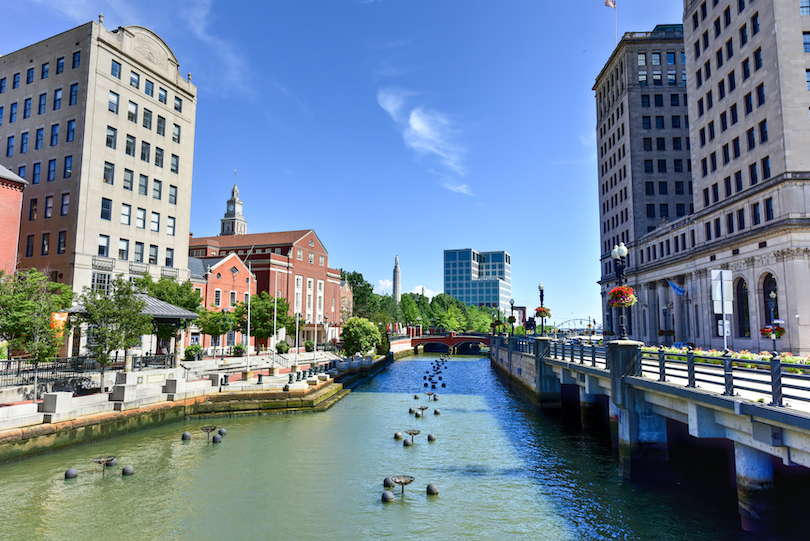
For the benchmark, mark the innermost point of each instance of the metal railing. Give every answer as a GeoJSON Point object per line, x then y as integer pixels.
{"type": "Point", "coordinates": [770, 379]}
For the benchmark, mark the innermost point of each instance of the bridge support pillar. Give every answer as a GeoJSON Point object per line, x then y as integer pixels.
{"type": "Point", "coordinates": [589, 409]}
{"type": "Point", "coordinates": [547, 385]}
{"type": "Point", "coordinates": [642, 434]}
{"type": "Point", "coordinates": [613, 413]}
{"type": "Point", "coordinates": [755, 489]}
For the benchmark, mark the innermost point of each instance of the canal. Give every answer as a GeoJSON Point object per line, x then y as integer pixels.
{"type": "Point", "coordinates": [503, 472]}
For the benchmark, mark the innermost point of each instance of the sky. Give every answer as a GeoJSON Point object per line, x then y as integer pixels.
{"type": "Point", "coordinates": [395, 127]}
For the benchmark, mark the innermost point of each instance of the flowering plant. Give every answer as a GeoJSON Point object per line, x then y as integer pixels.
{"type": "Point", "coordinates": [776, 330]}
{"type": "Point", "coordinates": [661, 332]}
{"type": "Point", "coordinates": [542, 311]}
{"type": "Point", "coordinates": [622, 297]}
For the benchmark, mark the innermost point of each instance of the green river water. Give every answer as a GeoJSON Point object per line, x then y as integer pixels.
{"type": "Point", "coordinates": [503, 473]}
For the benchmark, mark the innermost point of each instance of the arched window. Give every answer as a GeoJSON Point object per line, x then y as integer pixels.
{"type": "Point", "coordinates": [769, 296]}
{"type": "Point", "coordinates": [743, 320]}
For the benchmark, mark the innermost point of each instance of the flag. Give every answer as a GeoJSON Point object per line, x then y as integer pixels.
{"type": "Point", "coordinates": [610, 4]}
{"type": "Point", "coordinates": [678, 290]}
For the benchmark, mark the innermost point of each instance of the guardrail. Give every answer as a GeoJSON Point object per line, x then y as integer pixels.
{"type": "Point", "coordinates": [761, 378]}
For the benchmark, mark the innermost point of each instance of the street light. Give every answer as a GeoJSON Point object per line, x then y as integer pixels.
{"type": "Point", "coordinates": [325, 331]}
{"type": "Point", "coordinates": [619, 255]}
{"type": "Point", "coordinates": [297, 317]}
{"type": "Point", "coordinates": [542, 319]}
{"type": "Point", "coordinates": [224, 320]}
{"type": "Point", "coordinates": [512, 314]}
{"type": "Point", "coordinates": [772, 303]}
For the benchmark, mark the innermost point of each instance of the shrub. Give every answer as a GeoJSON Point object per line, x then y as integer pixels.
{"type": "Point", "coordinates": [282, 347]}
{"type": "Point", "coordinates": [193, 352]}
{"type": "Point", "coordinates": [309, 345]}
{"type": "Point", "coordinates": [239, 350]}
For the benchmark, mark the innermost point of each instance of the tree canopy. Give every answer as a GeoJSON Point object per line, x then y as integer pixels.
{"type": "Point", "coordinates": [170, 290]}
{"type": "Point", "coordinates": [262, 308]}
{"type": "Point", "coordinates": [360, 335]}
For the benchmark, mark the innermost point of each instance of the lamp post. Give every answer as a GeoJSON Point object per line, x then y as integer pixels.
{"type": "Point", "coordinates": [542, 319]}
{"type": "Point", "coordinates": [227, 329]}
{"type": "Point", "coordinates": [619, 255]}
{"type": "Point", "coordinates": [297, 317]}
{"type": "Point", "coordinates": [275, 317]}
{"type": "Point", "coordinates": [512, 314]}
{"type": "Point", "coordinates": [772, 305]}
{"type": "Point", "coordinates": [325, 331]}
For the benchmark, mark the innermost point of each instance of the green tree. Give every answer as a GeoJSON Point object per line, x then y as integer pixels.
{"type": "Point", "coordinates": [28, 301]}
{"type": "Point", "coordinates": [360, 335]}
{"type": "Point", "coordinates": [170, 290]}
{"type": "Point", "coordinates": [261, 315]}
{"type": "Point", "coordinates": [114, 320]}
{"type": "Point", "coordinates": [214, 323]}
{"type": "Point", "coordinates": [409, 309]}
{"type": "Point", "coordinates": [365, 301]}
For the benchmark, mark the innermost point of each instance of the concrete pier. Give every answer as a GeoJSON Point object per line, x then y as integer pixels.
{"type": "Point", "coordinates": [755, 489]}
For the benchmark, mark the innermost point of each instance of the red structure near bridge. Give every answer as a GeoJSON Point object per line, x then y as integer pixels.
{"type": "Point", "coordinates": [451, 340]}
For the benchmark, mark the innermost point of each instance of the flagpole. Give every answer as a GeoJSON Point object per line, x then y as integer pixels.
{"type": "Point", "coordinates": [616, 22]}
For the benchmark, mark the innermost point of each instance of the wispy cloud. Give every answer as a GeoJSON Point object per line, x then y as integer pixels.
{"type": "Point", "coordinates": [428, 132]}
{"type": "Point", "coordinates": [384, 287]}
{"type": "Point", "coordinates": [458, 188]}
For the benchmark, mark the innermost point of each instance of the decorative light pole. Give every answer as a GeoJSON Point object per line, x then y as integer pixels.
{"type": "Point", "coordinates": [512, 314]}
{"type": "Point", "coordinates": [619, 255]}
{"type": "Point", "coordinates": [297, 318]}
{"type": "Point", "coordinates": [772, 305]}
{"type": "Point", "coordinates": [542, 318]}
{"type": "Point", "coordinates": [227, 329]}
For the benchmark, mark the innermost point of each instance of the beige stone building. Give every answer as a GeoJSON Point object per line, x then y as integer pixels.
{"type": "Point", "coordinates": [750, 134]}
{"type": "Point", "coordinates": [101, 125]}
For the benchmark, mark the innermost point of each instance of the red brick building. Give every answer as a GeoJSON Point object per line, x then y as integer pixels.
{"type": "Point", "coordinates": [11, 188]}
{"type": "Point", "coordinates": [222, 283]}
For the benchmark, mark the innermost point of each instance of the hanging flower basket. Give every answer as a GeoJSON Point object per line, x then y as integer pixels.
{"type": "Point", "coordinates": [622, 297]}
{"type": "Point", "coordinates": [542, 311]}
{"type": "Point", "coordinates": [776, 330]}
{"type": "Point", "coordinates": [662, 332]}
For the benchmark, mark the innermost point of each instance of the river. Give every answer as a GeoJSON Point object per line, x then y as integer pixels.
{"type": "Point", "coordinates": [503, 472]}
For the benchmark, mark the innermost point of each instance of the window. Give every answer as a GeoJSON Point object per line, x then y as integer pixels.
{"type": "Point", "coordinates": [46, 242]}
{"type": "Point", "coordinates": [23, 143]}
{"type": "Point", "coordinates": [61, 242]}
{"type": "Point", "coordinates": [68, 170]}
{"type": "Point", "coordinates": [37, 169]}
{"type": "Point", "coordinates": [751, 139]}
{"type": "Point", "coordinates": [674, 100]}
{"type": "Point", "coordinates": [130, 148]}
{"type": "Point", "coordinates": [123, 249]}
{"type": "Point", "coordinates": [738, 183]}
{"type": "Point", "coordinates": [677, 165]}
{"type": "Point", "coordinates": [138, 252]}
{"type": "Point", "coordinates": [170, 225]}
{"type": "Point", "coordinates": [741, 219]}
{"type": "Point", "coordinates": [103, 245]}
{"type": "Point", "coordinates": [112, 136]}
{"type": "Point", "coordinates": [140, 218]}
{"type": "Point", "coordinates": [143, 184]}
{"type": "Point", "coordinates": [642, 59]}
{"type": "Point", "coordinates": [115, 70]}
{"type": "Point", "coordinates": [217, 297]}
{"type": "Point", "coordinates": [153, 252]}
{"type": "Point", "coordinates": [804, 7]}
{"type": "Point", "coordinates": [746, 69]}
{"type": "Point", "coordinates": [647, 143]}
{"type": "Point", "coordinates": [27, 108]}
{"type": "Point", "coordinates": [60, 65]}
{"type": "Point", "coordinates": [659, 100]}
{"type": "Point", "coordinates": [54, 135]}
{"type": "Point", "coordinates": [680, 210]}
{"type": "Point", "coordinates": [134, 79]}
{"type": "Point", "coordinates": [158, 157]}
{"type": "Point", "coordinates": [664, 210]}
{"type": "Point", "coordinates": [650, 211]}
{"type": "Point", "coordinates": [12, 116]}
{"type": "Point", "coordinates": [733, 110]}
{"type": "Point", "coordinates": [650, 188]}
{"type": "Point", "coordinates": [648, 166]}
{"type": "Point", "coordinates": [645, 120]}
{"type": "Point", "coordinates": [77, 58]}
{"type": "Point", "coordinates": [755, 216]}
{"type": "Point", "coordinates": [109, 173]}
{"type": "Point", "coordinates": [642, 78]}
{"type": "Point", "coordinates": [175, 133]}
{"type": "Point", "coordinates": [15, 82]}
{"type": "Point", "coordinates": [29, 77]}
{"type": "Point", "coordinates": [38, 140]}
{"type": "Point", "coordinates": [705, 197]}
{"type": "Point", "coordinates": [71, 131]}
{"type": "Point", "coordinates": [113, 105]}
{"type": "Point", "coordinates": [155, 222]}
{"type": "Point", "coordinates": [702, 137]}
{"type": "Point", "coordinates": [132, 112]}
{"type": "Point", "coordinates": [763, 131]}
{"type": "Point", "coordinates": [662, 166]}
{"type": "Point", "coordinates": [299, 254]}
{"type": "Point", "coordinates": [699, 78]}
{"type": "Point", "coordinates": [717, 28]}
{"type": "Point", "coordinates": [172, 195]}
{"type": "Point", "coordinates": [761, 95]}
{"type": "Point", "coordinates": [43, 100]}
{"type": "Point", "coordinates": [721, 89]}
{"type": "Point", "coordinates": [49, 206]}
{"type": "Point", "coordinates": [700, 107]}
{"type": "Point", "coordinates": [65, 208]}
{"type": "Point", "coordinates": [766, 167]}
{"type": "Point", "coordinates": [149, 88]}
{"type": "Point", "coordinates": [161, 125]}
{"type": "Point", "coordinates": [755, 24]}
{"type": "Point", "coordinates": [46, 67]}
{"type": "Point", "coordinates": [2, 85]}
{"type": "Point", "coordinates": [178, 104]}
{"type": "Point", "coordinates": [662, 188]}
{"type": "Point", "coordinates": [170, 257]}
{"type": "Point", "coordinates": [752, 174]}
{"type": "Point", "coordinates": [162, 95]}
{"type": "Point", "coordinates": [21, 171]}
{"type": "Point", "coordinates": [676, 143]}
{"type": "Point", "coordinates": [671, 78]}
{"type": "Point", "coordinates": [175, 163]}
{"type": "Point", "coordinates": [660, 143]}
{"type": "Point", "coordinates": [157, 189]}
{"type": "Point", "coordinates": [749, 104]}
{"type": "Point", "coordinates": [757, 59]}
{"type": "Point", "coordinates": [145, 151]}
{"type": "Point", "coordinates": [128, 179]}
{"type": "Point", "coordinates": [29, 246]}
{"type": "Point", "coordinates": [126, 214]}
{"type": "Point", "coordinates": [732, 82]}
{"type": "Point", "coordinates": [719, 56]}
{"type": "Point", "coordinates": [659, 122]}
{"type": "Point", "coordinates": [708, 227]}
{"type": "Point", "coordinates": [743, 35]}
{"type": "Point", "coordinates": [51, 170]}
{"type": "Point", "coordinates": [726, 154]}
{"type": "Point", "coordinates": [106, 208]}
{"type": "Point", "coordinates": [10, 146]}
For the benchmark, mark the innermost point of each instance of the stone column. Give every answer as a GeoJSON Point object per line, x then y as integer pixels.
{"type": "Point", "coordinates": [589, 409]}
{"type": "Point", "coordinates": [547, 385]}
{"type": "Point", "coordinates": [755, 489]}
{"type": "Point", "coordinates": [663, 322]}
{"type": "Point", "coordinates": [642, 434]}
{"type": "Point", "coordinates": [677, 309]}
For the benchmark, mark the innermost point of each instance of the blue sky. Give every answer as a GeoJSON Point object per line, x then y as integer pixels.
{"type": "Point", "coordinates": [395, 126]}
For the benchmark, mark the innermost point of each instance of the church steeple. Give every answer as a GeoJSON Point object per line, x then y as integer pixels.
{"type": "Point", "coordinates": [234, 222]}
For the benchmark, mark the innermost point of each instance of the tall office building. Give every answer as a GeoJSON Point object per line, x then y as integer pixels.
{"type": "Point", "coordinates": [101, 125]}
{"type": "Point", "coordinates": [643, 138]}
{"type": "Point", "coordinates": [748, 111]}
{"type": "Point", "coordinates": [478, 278]}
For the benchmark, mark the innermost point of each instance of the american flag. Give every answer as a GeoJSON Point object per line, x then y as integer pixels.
{"type": "Point", "coordinates": [610, 3]}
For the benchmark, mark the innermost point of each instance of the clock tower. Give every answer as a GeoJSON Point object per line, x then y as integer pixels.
{"type": "Point", "coordinates": [234, 221]}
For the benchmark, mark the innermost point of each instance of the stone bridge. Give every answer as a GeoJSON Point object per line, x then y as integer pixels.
{"type": "Point", "coordinates": [451, 340]}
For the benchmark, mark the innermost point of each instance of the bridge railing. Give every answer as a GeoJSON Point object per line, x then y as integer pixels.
{"type": "Point", "coordinates": [755, 377]}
